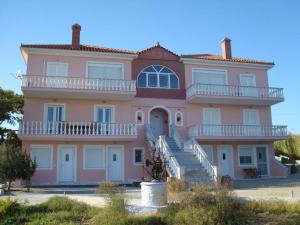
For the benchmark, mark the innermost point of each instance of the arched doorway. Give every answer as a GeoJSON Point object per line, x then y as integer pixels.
{"type": "Point", "coordinates": [159, 120]}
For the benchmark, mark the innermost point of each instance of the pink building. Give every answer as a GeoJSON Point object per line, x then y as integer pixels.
{"type": "Point", "coordinates": [94, 114]}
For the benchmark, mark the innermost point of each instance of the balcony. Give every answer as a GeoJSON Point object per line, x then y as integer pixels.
{"type": "Point", "coordinates": [79, 131]}
{"type": "Point", "coordinates": [229, 94]}
{"type": "Point", "coordinates": [78, 88]}
{"type": "Point", "coordinates": [237, 132]}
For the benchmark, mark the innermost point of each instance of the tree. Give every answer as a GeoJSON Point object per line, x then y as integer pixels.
{"type": "Point", "coordinates": [289, 147]}
{"type": "Point", "coordinates": [15, 164]}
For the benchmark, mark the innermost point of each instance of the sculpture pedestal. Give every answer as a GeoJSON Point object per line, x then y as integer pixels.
{"type": "Point", "coordinates": [154, 194]}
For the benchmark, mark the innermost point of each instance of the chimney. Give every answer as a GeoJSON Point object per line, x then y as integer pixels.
{"type": "Point", "coordinates": [226, 48]}
{"type": "Point", "coordinates": [76, 35]}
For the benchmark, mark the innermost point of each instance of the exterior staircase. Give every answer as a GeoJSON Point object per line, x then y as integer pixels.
{"type": "Point", "coordinates": [194, 172]}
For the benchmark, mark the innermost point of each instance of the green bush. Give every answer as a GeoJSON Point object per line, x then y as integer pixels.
{"type": "Point", "coordinates": [7, 206]}
{"type": "Point", "coordinates": [176, 185]}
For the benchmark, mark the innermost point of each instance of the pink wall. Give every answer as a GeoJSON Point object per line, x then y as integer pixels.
{"type": "Point", "coordinates": [37, 64]}
{"type": "Point", "coordinates": [233, 74]}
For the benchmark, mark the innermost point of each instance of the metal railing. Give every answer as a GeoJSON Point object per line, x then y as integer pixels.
{"type": "Point", "coordinates": [207, 130]}
{"type": "Point", "coordinates": [79, 83]}
{"type": "Point", "coordinates": [234, 91]}
{"type": "Point", "coordinates": [77, 128]}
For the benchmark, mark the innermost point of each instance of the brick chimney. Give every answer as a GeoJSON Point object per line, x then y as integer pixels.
{"type": "Point", "coordinates": [226, 48]}
{"type": "Point", "coordinates": [76, 35]}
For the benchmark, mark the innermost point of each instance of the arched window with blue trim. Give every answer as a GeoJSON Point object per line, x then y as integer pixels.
{"type": "Point", "coordinates": [157, 76]}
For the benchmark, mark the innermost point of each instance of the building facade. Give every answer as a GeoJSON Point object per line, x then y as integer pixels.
{"type": "Point", "coordinates": [94, 114]}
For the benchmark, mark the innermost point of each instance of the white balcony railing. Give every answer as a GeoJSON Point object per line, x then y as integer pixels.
{"type": "Point", "coordinates": [234, 91]}
{"type": "Point", "coordinates": [77, 128]}
{"type": "Point", "coordinates": [205, 130]}
{"type": "Point", "coordinates": [30, 81]}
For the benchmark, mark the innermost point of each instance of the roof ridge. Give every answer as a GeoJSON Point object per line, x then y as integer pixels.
{"type": "Point", "coordinates": [157, 45]}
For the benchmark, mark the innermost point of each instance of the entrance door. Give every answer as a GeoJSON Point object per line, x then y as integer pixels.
{"type": "Point", "coordinates": [225, 159]}
{"type": "Point", "coordinates": [156, 123]}
{"type": "Point", "coordinates": [262, 164]}
{"type": "Point", "coordinates": [212, 122]}
{"type": "Point", "coordinates": [115, 168]}
{"type": "Point", "coordinates": [67, 164]}
{"type": "Point", "coordinates": [248, 84]}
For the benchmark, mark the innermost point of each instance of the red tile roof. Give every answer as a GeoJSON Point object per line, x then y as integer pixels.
{"type": "Point", "coordinates": [88, 48]}
{"type": "Point", "coordinates": [220, 58]}
{"type": "Point", "coordinates": [157, 45]}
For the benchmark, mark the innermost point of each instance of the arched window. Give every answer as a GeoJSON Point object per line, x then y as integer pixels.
{"type": "Point", "coordinates": [157, 76]}
{"type": "Point", "coordinates": [139, 117]}
{"type": "Point", "coordinates": [178, 118]}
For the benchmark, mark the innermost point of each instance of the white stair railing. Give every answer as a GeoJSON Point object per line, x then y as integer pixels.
{"type": "Point", "coordinates": [174, 168]}
{"type": "Point", "coordinates": [202, 157]}
{"type": "Point", "coordinates": [150, 137]}
{"type": "Point", "coordinates": [177, 136]}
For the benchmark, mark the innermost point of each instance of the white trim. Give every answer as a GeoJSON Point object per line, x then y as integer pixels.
{"type": "Point", "coordinates": [162, 107]}
{"type": "Point", "coordinates": [210, 71]}
{"type": "Point", "coordinates": [208, 62]}
{"type": "Point", "coordinates": [57, 63]}
{"type": "Point", "coordinates": [105, 106]}
{"type": "Point", "coordinates": [143, 156]}
{"type": "Point", "coordinates": [62, 52]}
{"type": "Point", "coordinates": [100, 148]}
{"type": "Point", "coordinates": [58, 162]}
{"type": "Point", "coordinates": [46, 104]}
{"type": "Point", "coordinates": [143, 117]}
{"type": "Point", "coordinates": [249, 75]}
{"type": "Point", "coordinates": [106, 158]}
{"type": "Point", "coordinates": [180, 124]}
{"type": "Point", "coordinates": [43, 146]}
{"type": "Point", "coordinates": [104, 63]}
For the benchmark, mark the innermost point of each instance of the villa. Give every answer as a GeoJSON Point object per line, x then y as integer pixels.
{"type": "Point", "coordinates": [95, 114]}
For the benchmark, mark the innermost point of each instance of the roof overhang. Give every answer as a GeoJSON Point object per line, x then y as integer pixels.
{"type": "Point", "coordinates": [210, 62]}
{"type": "Point", "coordinates": [25, 51]}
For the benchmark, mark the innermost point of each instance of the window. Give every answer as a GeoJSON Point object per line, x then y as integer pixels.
{"type": "Point", "coordinates": [138, 157]}
{"type": "Point", "coordinates": [53, 115]}
{"type": "Point", "coordinates": [157, 76]}
{"type": "Point", "coordinates": [105, 70]}
{"type": "Point", "coordinates": [209, 76]}
{"type": "Point", "coordinates": [139, 117]}
{"type": "Point", "coordinates": [93, 157]}
{"type": "Point", "coordinates": [104, 114]}
{"type": "Point", "coordinates": [57, 69]}
{"type": "Point", "coordinates": [246, 155]}
{"type": "Point", "coordinates": [178, 118]}
{"type": "Point", "coordinates": [42, 154]}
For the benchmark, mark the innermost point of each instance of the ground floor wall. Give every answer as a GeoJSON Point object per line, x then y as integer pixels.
{"type": "Point", "coordinates": [237, 167]}
{"type": "Point", "coordinates": [129, 171]}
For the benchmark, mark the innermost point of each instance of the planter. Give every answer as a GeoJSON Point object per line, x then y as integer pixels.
{"type": "Point", "coordinates": [154, 194]}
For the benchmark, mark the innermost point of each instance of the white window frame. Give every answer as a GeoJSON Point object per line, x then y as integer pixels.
{"type": "Point", "coordinates": [46, 105]}
{"type": "Point", "coordinates": [103, 63]}
{"type": "Point", "coordinates": [57, 63]}
{"type": "Point", "coordinates": [143, 156]}
{"type": "Point", "coordinates": [43, 146]}
{"type": "Point", "coordinates": [143, 118]}
{"type": "Point", "coordinates": [195, 69]}
{"type": "Point", "coordinates": [253, 110]}
{"type": "Point", "coordinates": [204, 112]}
{"type": "Point", "coordinates": [158, 80]}
{"type": "Point", "coordinates": [180, 124]}
{"type": "Point", "coordinates": [253, 155]}
{"type": "Point", "coordinates": [105, 106]}
{"type": "Point", "coordinates": [99, 148]}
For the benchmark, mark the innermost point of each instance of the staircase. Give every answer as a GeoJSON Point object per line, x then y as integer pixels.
{"type": "Point", "coordinates": [193, 171]}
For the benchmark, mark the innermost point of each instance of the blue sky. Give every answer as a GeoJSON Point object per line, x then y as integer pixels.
{"type": "Point", "coordinates": [267, 30]}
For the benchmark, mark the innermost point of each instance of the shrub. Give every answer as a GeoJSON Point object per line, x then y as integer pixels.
{"type": "Point", "coordinates": [7, 206]}
{"type": "Point", "coordinates": [176, 185]}
{"type": "Point", "coordinates": [272, 207]}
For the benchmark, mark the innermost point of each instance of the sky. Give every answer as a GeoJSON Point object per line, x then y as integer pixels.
{"type": "Point", "coordinates": [266, 30]}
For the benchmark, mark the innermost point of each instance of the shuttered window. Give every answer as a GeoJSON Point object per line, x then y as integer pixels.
{"type": "Point", "coordinates": [105, 71]}
{"type": "Point", "coordinates": [94, 156]}
{"type": "Point", "coordinates": [42, 154]}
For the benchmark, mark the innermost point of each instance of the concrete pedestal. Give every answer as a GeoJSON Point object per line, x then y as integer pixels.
{"type": "Point", "coordinates": [154, 194]}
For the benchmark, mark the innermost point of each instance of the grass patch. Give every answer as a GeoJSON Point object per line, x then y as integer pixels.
{"type": "Point", "coordinates": [196, 207]}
